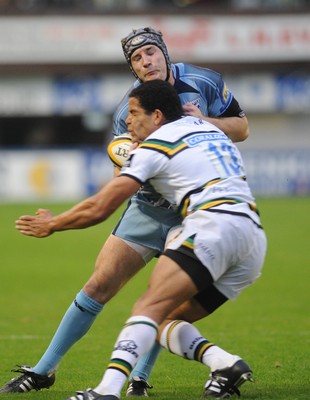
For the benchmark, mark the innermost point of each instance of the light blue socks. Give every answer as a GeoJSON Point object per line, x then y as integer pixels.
{"type": "Point", "coordinates": [146, 363]}
{"type": "Point", "coordinates": [74, 325]}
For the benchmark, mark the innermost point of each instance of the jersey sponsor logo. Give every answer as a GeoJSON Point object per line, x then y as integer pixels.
{"type": "Point", "coordinates": [225, 93]}
{"type": "Point", "coordinates": [195, 139]}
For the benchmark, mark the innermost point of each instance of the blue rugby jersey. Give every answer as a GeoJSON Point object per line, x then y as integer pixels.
{"type": "Point", "coordinates": [202, 87]}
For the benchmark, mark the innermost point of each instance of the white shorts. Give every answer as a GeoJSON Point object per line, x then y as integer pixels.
{"type": "Point", "coordinates": [231, 247]}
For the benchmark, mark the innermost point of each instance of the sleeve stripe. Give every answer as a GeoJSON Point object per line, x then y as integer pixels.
{"type": "Point", "coordinates": [132, 177]}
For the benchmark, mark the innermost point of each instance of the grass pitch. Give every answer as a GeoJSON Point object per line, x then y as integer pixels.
{"type": "Point", "coordinates": [268, 325]}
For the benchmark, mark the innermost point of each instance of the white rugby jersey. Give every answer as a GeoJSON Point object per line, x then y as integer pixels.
{"type": "Point", "coordinates": [193, 165]}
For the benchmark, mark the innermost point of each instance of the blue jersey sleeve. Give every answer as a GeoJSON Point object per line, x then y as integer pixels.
{"type": "Point", "coordinates": [203, 87]}
{"type": "Point", "coordinates": [121, 113]}
{"type": "Point", "coordinates": [119, 117]}
{"type": "Point", "coordinates": [222, 99]}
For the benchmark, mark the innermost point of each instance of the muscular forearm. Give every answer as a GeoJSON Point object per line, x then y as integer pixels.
{"type": "Point", "coordinates": [82, 215]}
{"type": "Point", "coordinates": [97, 208]}
{"type": "Point", "coordinates": [87, 213]}
{"type": "Point", "coordinates": [236, 128]}
{"type": "Point", "coordinates": [44, 223]}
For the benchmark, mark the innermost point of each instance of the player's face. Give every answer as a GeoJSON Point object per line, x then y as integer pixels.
{"type": "Point", "coordinates": [149, 63]}
{"type": "Point", "coordinates": [140, 124]}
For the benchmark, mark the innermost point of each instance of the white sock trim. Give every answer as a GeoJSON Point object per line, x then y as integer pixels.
{"type": "Point", "coordinates": [141, 319]}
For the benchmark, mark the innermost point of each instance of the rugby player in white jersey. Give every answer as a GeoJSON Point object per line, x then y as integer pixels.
{"type": "Point", "coordinates": [219, 251]}
{"type": "Point", "coordinates": [203, 94]}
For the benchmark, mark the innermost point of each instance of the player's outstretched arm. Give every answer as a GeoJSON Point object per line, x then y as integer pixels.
{"type": "Point", "coordinates": [88, 212]}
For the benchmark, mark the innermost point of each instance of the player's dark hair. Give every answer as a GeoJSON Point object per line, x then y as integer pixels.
{"type": "Point", "coordinates": [161, 95]}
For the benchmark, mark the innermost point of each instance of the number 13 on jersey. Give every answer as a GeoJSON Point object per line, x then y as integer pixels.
{"type": "Point", "coordinates": [226, 159]}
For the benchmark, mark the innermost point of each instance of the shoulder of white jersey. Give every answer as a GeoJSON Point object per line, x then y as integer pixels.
{"type": "Point", "coordinates": [118, 149]}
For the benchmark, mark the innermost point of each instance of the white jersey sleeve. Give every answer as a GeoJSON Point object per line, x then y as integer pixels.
{"type": "Point", "coordinates": [143, 165]}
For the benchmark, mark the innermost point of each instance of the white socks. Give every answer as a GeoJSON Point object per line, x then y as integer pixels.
{"type": "Point", "coordinates": [136, 338]}
{"type": "Point", "coordinates": [184, 339]}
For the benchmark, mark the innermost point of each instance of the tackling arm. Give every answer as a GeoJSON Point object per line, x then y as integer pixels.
{"type": "Point", "coordinates": [235, 127]}
{"type": "Point", "coordinates": [88, 212]}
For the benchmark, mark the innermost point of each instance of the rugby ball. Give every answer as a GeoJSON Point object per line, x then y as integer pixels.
{"type": "Point", "coordinates": [118, 149]}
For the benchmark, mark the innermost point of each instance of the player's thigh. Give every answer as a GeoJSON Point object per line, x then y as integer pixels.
{"type": "Point", "coordinates": [169, 287]}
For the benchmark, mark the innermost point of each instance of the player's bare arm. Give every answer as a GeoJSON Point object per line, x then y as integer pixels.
{"type": "Point", "coordinates": [89, 212]}
{"type": "Point", "coordinates": [236, 128]}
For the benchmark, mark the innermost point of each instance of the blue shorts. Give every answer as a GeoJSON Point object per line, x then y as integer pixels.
{"type": "Point", "coordinates": [145, 224]}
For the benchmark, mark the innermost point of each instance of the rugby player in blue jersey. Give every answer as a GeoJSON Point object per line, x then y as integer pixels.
{"type": "Point", "coordinates": [143, 229]}
{"type": "Point", "coordinates": [203, 94]}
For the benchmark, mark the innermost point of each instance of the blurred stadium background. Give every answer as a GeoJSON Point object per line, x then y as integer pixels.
{"type": "Point", "coordinates": [62, 73]}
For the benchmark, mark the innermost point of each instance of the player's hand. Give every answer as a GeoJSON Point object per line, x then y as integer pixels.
{"type": "Point", "coordinates": [38, 225]}
{"type": "Point", "coordinates": [193, 111]}
{"type": "Point", "coordinates": [134, 146]}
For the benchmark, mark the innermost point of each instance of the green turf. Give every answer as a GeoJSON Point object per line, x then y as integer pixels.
{"type": "Point", "coordinates": [268, 325]}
